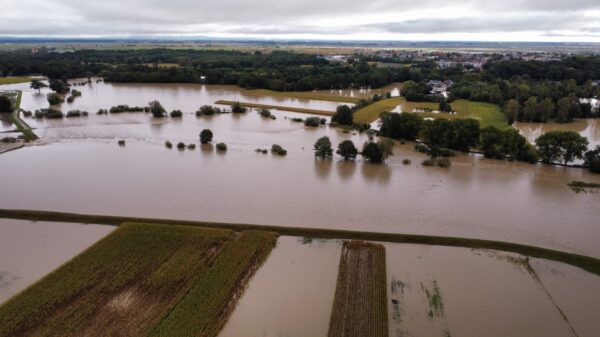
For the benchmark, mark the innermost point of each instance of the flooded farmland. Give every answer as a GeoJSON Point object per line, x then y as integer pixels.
{"type": "Point", "coordinates": [589, 128]}
{"type": "Point", "coordinates": [30, 250]}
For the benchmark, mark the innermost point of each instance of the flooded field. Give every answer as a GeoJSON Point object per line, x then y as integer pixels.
{"type": "Point", "coordinates": [589, 128]}
{"type": "Point", "coordinates": [185, 97]}
{"type": "Point", "coordinates": [292, 294]}
{"type": "Point", "coordinates": [81, 169]}
{"type": "Point", "coordinates": [444, 291]}
{"type": "Point", "coordinates": [393, 88]}
{"type": "Point", "coordinates": [30, 250]}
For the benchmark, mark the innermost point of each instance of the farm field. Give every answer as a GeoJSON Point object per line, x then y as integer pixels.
{"type": "Point", "coordinates": [321, 96]}
{"type": "Point", "coordinates": [142, 280]}
{"type": "Point", "coordinates": [277, 107]}
{"type": "Point", "coordinates": [13, 80]}
{"type": "Point", "coordinates": [359, 307]}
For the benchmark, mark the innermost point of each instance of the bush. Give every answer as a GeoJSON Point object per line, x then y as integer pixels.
{"type": "Point", "coordinates": [121, 142]}
{"type": "Point", "coordinates": [54, 98]}
{"type": "Point", "coordinates": [206, 110]}
{"type": "Point", "coordinates": [181, 146]}
{"type": "Point", "coordinates": [76, 113]}
{"type": "Point", "coordinates": [70, 99]}
{"type": "Point", "coordinates": [102, 112]}
{"type": "Point", "coordinates": [297, 120]}
{"type": "Point", "coordinates": [343, 115]}
{"type": "Point", "coordinates": [6, 103]}
{"type": "Point", "coordinates": [312, 121]}
{"type": "Point", "coordinates": [206, 136]}
{"type": "Point", "coordinates": [278, 150]}
{"type": "Point", "coordinates": [428, 162]}
{"type": "Point", "coordinates": [265, 113]}
{"type": "Point", "coordinates": [592, 160]}
{"type": "Point", "coordinates": [176, 113]}
{"type": "Point", "coordinates": [191, 146]}
{"type": "Point", "coordinates": [443, 162]}
{"type": "Point", "coordinates": [406, 161]}
{"type": "Point", "coordinates": [238, 108]}
{"type": "Point", "coordinates": [222, 147]}
{"type": "Point", "coordinates": [156, 109]}
{"type": "Point", "coordinates": [168, 144]}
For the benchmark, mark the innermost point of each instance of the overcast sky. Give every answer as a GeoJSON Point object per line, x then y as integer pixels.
{"type": "Point", "coordinates": [483, 20]}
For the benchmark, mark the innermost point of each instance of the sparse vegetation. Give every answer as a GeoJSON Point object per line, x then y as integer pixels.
{"type": "Point", "coordinates": [276, 107]}
{"type": "Point", "coordinates": [168, 144]}
{"type": "Point", "coordinates": [582, 186]}
{"type": "Point", "coordinates": [236, 107]}
{"type": "Point", "coordinates": [278, 150]}
{"type": "Point", "coordinates": [312, 121]}
{"type": "Point", "coordinates": [221, 147]}
{"type": "Point", "coordinates": [176, 113]}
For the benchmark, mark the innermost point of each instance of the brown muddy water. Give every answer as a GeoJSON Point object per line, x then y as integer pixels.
{"type": "Point", "coordinates": [78, 167]}
{"type": "Point", "coordinates": [444, 291]}
{"type": "Point", "coordinates": [30, 250]}
{"type": "Point", "coordinates": [185, 97]}
{"type": "Point", "coordinates": [589, 128]}
{"type": "Point", "coordinates": [291, 294]}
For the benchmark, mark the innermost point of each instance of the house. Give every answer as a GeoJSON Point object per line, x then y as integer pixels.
{"type": "Point", "coordinates": [439, 88]}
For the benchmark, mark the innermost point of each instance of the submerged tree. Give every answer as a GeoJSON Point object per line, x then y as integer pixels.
{"type": "Point", "coordinates": [156, 109]}
{"type": "Point", "coordinates": [343, 115]}
{"type": "Point", "coordinates": [206, 136]}
{"type": "Point", "coordinates": [563, 146]}
{"type": "Point", "coordinates": [37, 85]}
{"type": "Point", "coordinates": [347, 150]}
{"type": "Point", "coordinates": [323, 148]}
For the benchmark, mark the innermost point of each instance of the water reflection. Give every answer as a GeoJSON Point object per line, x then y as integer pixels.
{"type": "Point", "coordinates": [346, 169]}
{"type": "Point", "coordinates": [379, 173]}
{"type": "Point", "coordinates": [323, 168]}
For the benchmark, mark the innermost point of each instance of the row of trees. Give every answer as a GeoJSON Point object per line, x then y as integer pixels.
{"type": "Point", "coordinates": [373, 152]}
{"type": "Point", "coordinates": [440, 135]}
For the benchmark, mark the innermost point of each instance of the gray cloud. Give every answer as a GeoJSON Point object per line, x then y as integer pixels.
{"type": "Point", "coordinates": [298, 17]}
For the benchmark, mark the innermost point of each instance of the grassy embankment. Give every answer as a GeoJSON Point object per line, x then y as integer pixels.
{"type": "Point", "coordinates": [487, 114]}
{"type": "Point", "coordinates": [359, 307]}
{"type": "Point", "coordinates": [13, 80]}
{"type": "Point", "coordinates": [277, 107]}
{"type": "Point", "coordinates": [303, 95]}
{"type": "Point", "coordinates": [588, 263]}
{"type": "Point", "coordinates": [21, 124]}
{"type": "Point", "coordinates": [142, 280]}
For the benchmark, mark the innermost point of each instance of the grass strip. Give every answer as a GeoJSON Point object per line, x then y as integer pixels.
{"type": "Point", "coordinates": [21, 124]}
{"type": "Point", "coordinates": [303, 95]}
{"type": "Point", "coordinates": [591, 264]}
{"type": "Point", "coordinates": [13, 80]}
{"type": "Point", "coordinates": [277, 107]}
{"type": "Point", "coordinates": [359, 307]}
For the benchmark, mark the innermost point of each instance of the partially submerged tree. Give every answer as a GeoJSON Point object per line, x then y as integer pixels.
{"type": "Point", "coordinates": [323, 148]}
{"type": "Point", "coordinates": [347, 150]}
{"type": "Point", "coordinates": [563, 146]}
{"type": "Point", "coordinates": [343, 115]}
{"type": "Point", "coordinates": [206, 136]}
{"type": "Point", "coordinates": [37, 85]}
{"type": "Point", "coordinates": [156, 109]}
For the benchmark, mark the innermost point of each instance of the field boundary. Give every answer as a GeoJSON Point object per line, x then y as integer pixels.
{"type": "Point", "coordinates": [588, 263]}
{"type": "Point", "coordinates": [277, 107]}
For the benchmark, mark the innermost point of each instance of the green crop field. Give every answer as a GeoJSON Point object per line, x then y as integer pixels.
{"type": "Point", "coordinates": [360, 303]}
{"type": "Point", "coordinates": [140, 279]}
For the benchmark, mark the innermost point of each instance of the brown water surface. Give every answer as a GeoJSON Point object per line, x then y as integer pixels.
{"type": "Point", "coordinates": [30, 250]}
{"type": "Point", "coordinates": [589, 128]}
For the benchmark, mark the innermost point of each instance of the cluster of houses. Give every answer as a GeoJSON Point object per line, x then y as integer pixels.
{"type": "Point", "coordinates": [440, 88]}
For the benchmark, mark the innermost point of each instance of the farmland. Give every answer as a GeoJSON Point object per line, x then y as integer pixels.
{"type": "Point", "coordinates": [277, 107]}
{"type": "Point", "coordinates": [13, 80]}
{"type": "Point", "coordinates": [140, 279]}
{"type": "Point", "coordinates": [304, 95]}
{"type": "Point", "coordinates": [359, 307]}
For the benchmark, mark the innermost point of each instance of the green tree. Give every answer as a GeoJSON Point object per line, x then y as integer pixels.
{"type": "Point", "coordinates": [592, 160]}
{"type": "Point", "coordinates": [323, 148]}
{"type": "Point", "coordinates": [37, 85]}
{"type": "Point", "coordinates": [444, 105]}
{"type": "Point", "coordinates": [563, 146]}
{"type": "Point", "coordinates": [343, 115]}
{"type": "Point", "coordinates": [206, 136]}
{"type": "Point", "coordinates": [545, 109]}
{"type": "Point", "coordinates": [238, 108]}
{"type": "Point", "coordinates": [529, 109]}
{"type": "Point", "coordinates": [491, 142]}
{"type": "Point", "coordinates": [377, 152]}
{"type": "Point", "coordinates": [347, 150]}
{"type": "Point", "coordinates": [400, 125]}
{"type": "Point", "coordinates": [54, 98]}
{"type": "Point", "coordinates": [59, 86]}
{"type": "Point", "coordinates": [6, 104]}
{"type": "Point", "coordinates": [562, 110]}
{"type": "Point", "coordinates": [511, 110]}
{"type": "Point", "coordinates": [157, 109]}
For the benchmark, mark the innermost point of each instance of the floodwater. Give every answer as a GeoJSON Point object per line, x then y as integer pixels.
{"type": "Point", "coordinates": [291, 294]}
{"type": "Point", "coordinates": [80, 168]}
{"type": "Point", "coordinates": [446, 291]}
{"type": "Point", "coordinates": [30, 250]}
{"type": "Point", "coordinates": [393, 88]}
{"type": "Point", "coordinates": [184, 97]}
{"type": "Point", "coordinates": [589, 128]}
